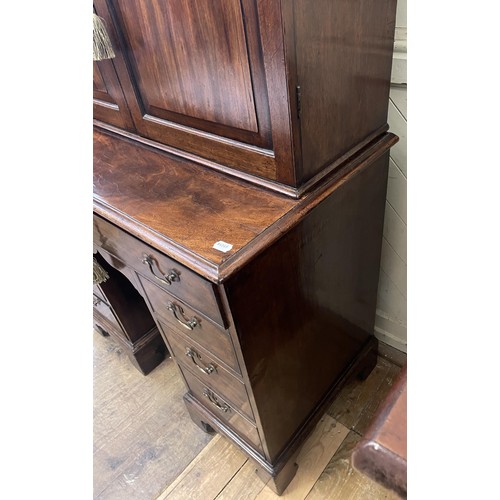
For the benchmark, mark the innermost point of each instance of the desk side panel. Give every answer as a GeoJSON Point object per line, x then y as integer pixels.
{"type": "Point", "coordinates": [304, 308]}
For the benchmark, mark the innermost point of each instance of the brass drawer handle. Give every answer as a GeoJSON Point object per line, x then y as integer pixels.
{"type": "Point", "coordinates": [214, 400]}
{"type": "Point", "coordinates": [167, 279]}
{"type": "Point", "coordinates": [96, 300]}
{"type": "Point", "coordinates": [178, 313]}
{"type": "Point", "coordinates": [209, 369]}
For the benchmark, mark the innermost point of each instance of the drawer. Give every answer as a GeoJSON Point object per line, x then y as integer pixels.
{"type": "Point", "coordinates": [104, 310]}
{"type": "Point", "coordinates": [209, 371]}
{"type": "Point", "coordinates": [221, 408]}
{"type": "Point", "coordinates": [102, 324]}
{"type": "Point", "coordinates": [164, 271]}
{"type": "Point", "coordinates": [181, 318]}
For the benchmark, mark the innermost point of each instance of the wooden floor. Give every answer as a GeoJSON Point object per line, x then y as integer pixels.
{"type": "Point", "coordinates": [147, 448]}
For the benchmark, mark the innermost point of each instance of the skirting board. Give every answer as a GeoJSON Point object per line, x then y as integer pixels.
{"type": "Point", "coordinates": [391, 353]}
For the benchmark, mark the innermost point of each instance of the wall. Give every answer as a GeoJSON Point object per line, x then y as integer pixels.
{"type": "Point", "coordinates": [390, 323]}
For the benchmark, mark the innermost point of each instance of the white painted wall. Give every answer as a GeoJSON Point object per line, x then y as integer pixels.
{"type": "Point", "coordinates": [390, 322]}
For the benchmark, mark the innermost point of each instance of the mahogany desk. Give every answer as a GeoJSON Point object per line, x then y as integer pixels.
{"type": "Point", "coordinates": [265, 302]}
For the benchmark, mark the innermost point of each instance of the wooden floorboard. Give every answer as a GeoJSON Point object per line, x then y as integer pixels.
{"type": "Point", "coordinates": [355, 396]}
{"type": "Point", "coordinates": [140, 426]}
{"type": "Point", "coordinates": [147, 448]}
{"type": "Point", "coordinates": [312, 459]}
{"type": "Point", "coordinates": [243, 486]}
{"type": "Point", "coordinates": [374, 402]}
{"type": "Point", "coordinates": [209, 475]}
{"type": "Point", "coordinates": [340, 481]}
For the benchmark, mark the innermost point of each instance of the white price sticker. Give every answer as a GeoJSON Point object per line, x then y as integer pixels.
{"type": "Point", "coordinates": [222, 246]}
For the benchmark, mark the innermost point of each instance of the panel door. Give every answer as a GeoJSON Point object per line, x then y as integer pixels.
{"type": "Point", "coordinates": [207, 77]}
{"type": "Point", "coordinates": [109, 102]}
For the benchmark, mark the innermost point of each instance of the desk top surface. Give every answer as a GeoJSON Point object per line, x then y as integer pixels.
{"type": "Point", "coordinates": [184, 209]}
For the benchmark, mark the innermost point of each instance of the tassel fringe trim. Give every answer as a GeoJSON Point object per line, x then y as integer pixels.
{"type": "Point", "coordinates": [102, 43]}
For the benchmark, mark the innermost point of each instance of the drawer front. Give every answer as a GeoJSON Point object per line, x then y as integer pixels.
{"type": "Point", "coordinates": [164, 271]}
{"type": "Point", "coordinates": [104, 324]}
{"type": "Point", "coordinates": [209, 371]}
{"type": "Point", "coordinates": [220, 407]}
{"type": "Point", "coordinates": [104, 310]}
{"type": "Point", "coordinates": [181, 318]}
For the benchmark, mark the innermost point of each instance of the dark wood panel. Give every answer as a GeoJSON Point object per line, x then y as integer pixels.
{"type": "Point", "coordinates": [205, 94]}
{"type": "Point", "coordinates": [343, 63]}
{"type": "Point", "coordinates": [274, 55]}
{"type": "Point", "coordinates": [255, 43]}
{"type": "Point", "coordinates": [327, 267]}
{"type": "Point", "coordinates": [98, 81]}
{"type": "Point", "coordinates": [190, 57]}
{"type": "Point", "coordinates": [109, 104]}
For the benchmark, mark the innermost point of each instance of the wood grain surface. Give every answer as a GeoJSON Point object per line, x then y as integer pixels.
{"type": "Point", "coordinates": [190, 205]}
{"type": "Point", "coordinates": [325, 269]}
{"type": "Point", "coordinates": [276, 90]}
{"type": "Point", "coordinates": [355, 405]}
{"type": "Point", "coordinates": [183, 210]}
{"type": "Point", "coordinates": [206, 478]}
{"type": "Point", "coordinates": [109, 103]}
{"type": "Point", "coordinates": [340, 481]}
{"type": "Point", "coordinates": [343, 55]}
{"type": "Point", "coordinates": [172, 73]}
{"type": "Point", "coordinates": [139, 423]}
{"type": "Point", "coordinates": [312, 459]}
{"type": "Point", "coordinates": [194, 78]}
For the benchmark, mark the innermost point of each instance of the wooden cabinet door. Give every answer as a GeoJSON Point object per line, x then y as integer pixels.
{"type": "Point", "coordinates": [109, 102]}
{"type": "Point", "coordinates": [207, 78]}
